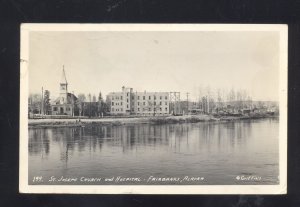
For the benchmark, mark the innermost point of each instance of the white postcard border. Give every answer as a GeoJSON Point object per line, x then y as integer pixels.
{"type": "Point", "coordinates": [152, 189]}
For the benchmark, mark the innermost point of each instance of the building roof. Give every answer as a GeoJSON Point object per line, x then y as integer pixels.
{"type": "Point", "coordinates": [70, 97]}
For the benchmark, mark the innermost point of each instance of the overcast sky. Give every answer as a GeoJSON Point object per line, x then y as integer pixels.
{"type": "Point", "coordinates": [155, 61]}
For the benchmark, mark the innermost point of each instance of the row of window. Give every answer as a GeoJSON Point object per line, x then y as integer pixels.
{"type": "Point", "coordinates": [160, 103]}
{"type": "Point", "coordinates": [141, 109]}
{"type": "Point", "coordinates": [116, 109]}
{"type": "Point", "coordinates": [117, 97]}
{"type": "Point", "coordinates": [67, 109]}
{"type": "Point", "coordinates": [149, 109]}
{"type": "Point", "coordinates": [138, 97]}
{"type": "Point", "coordinates": [138, 103]}
{"type": "Point", "coordinates": [117, 103]}
{"type": "Point", "coordinates": [154, 97]}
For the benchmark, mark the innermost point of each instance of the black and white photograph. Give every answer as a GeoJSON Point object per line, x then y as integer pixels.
{"type": "Point", "coordinates": [153, 108]}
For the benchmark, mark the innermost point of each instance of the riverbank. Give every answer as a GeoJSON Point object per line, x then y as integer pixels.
{"type": "Point", "coordinates": [36, 123]}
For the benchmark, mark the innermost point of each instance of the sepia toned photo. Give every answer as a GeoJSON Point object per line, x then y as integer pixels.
{"type": "Point", "coordinates": [153, 109]}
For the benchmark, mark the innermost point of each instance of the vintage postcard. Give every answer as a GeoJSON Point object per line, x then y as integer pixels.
{"type": "Point", "coordinates": [153, 108]}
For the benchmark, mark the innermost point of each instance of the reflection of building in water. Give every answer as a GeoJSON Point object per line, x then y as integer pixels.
{"type": "Point", "coordinates": [179, 138]}
{"type": "Point", "coordinates": [39, 141]}
{"type": "Point", "coordinates": [91, 137]}
{"type": "Point", "coordinates": [139, 103]}
{"type": "Point", "coordinates": [139, 135]}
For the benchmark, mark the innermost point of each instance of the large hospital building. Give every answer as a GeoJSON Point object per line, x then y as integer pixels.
{"type": "Point", "coordinates": [140, 103]}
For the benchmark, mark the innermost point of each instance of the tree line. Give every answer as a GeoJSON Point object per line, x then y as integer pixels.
{"type": "Point", "coordinates": [220, 99]}
{"type": "Point", "coordinates": [91, 106]}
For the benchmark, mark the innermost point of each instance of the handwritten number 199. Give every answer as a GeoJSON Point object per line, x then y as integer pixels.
{"type": "Point", "coordinates": [37, 179]}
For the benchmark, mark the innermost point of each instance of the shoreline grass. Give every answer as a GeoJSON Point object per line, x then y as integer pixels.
{"type": "Point", "coordinates": [43, 123]}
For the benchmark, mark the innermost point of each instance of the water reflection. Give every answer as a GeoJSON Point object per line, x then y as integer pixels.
{"type": "Point", "coordinates": [200, 147]}
{"type": "Point", "coordinates": [39, 142]}
{"type": "Point", "coordinates": [128, 137]}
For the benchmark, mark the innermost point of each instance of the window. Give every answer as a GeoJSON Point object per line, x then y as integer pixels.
{"type": "Point", "coordinates": [149, 97]}
{"type": "Point", "coordinates": [166, 103]}
{"type": "Point", "coordinates": [143, 97]}
{"type": "Point", "coordinates": [154, 97]}
{"type": "Point", "coordinates": [138, 109]}
{"type": "Point", "coordinates": [127, 105]}
{"type": "Point", "coordinates": [121, 103]}
{"type": "Point", "coordinates": [154, 103]}
{"type": "Point", "coordinates": [68, 109]}
{"type": "Point", "coordinates": [160, 109]}
{"type": "Point", "coordinates": [144, 103]}
{"type": "Point", "coordinates": [127, 100]}
{"type": "Point", "coordinates": [113, 98]}
{"type": "Point", "coordinates": [121, 97]}
{"type": "Point", "coordinates": [127, 94]}
{"type": "Point", "coordinates": [160, 103]}
{"type": "Point", "coordinates": [55, 109]}
{"type": "Point", "coordinates": [166, 109]}
{"type": "Point", "coordinates": [138, 103]}
{"type": "Point", "coordinates": [160, 97]}
{"type": "Point", "coordinates": [166, 97]}
{"type": "Point", "coordinates": [149, 109]}
{"type": "Point", "coordinates": [112, 103]}
{"type": "Point", "coordinates": [138, 97]}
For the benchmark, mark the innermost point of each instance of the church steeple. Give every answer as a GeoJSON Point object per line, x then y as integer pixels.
{"type": "Point", "coordinates": [63, 77]}
{"type": "Point", "coordinates": [63, 87]}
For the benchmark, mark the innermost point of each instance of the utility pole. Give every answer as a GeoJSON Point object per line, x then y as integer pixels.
{"type": "Point", "coordinates": [72, 103]}
{"type": "Point", "coordinates": [42, 108]}
{"type": "Point", "coordinates": [90, 106]}
{"type": "Point", "coordinates": [99, 106]}
{"type": "Point", "coordinates": [136, 103]}
{"type": "Point", "coordinates": [187, 102]}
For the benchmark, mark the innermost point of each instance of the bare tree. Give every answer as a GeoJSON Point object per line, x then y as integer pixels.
{"type": "Point", "coordinates": [219, 98]}
{"type": "Point", "coordinates": [34, 103]}
{"type": "Point", "coordinates": [239, 100]}
{"type": "Point", "coordinates": [200, 96]}
{"type": "Point", "coordinates": [47, 106]}
{"type": "Point", "coordinates": [208, 94]}
{"type": "Point", "coordinates": [100, 108]}
{"type": "Point", "coordinates": [232, 95]}
{"type": "Point", "coordinates": [80, 103]}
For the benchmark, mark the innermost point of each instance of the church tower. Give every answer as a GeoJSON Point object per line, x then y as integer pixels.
{"type": "Point", "coordinates": [63, 88]}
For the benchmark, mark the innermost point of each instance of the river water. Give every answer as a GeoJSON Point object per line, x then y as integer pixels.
{"type": "Point", "coordinates": [241, 152]}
